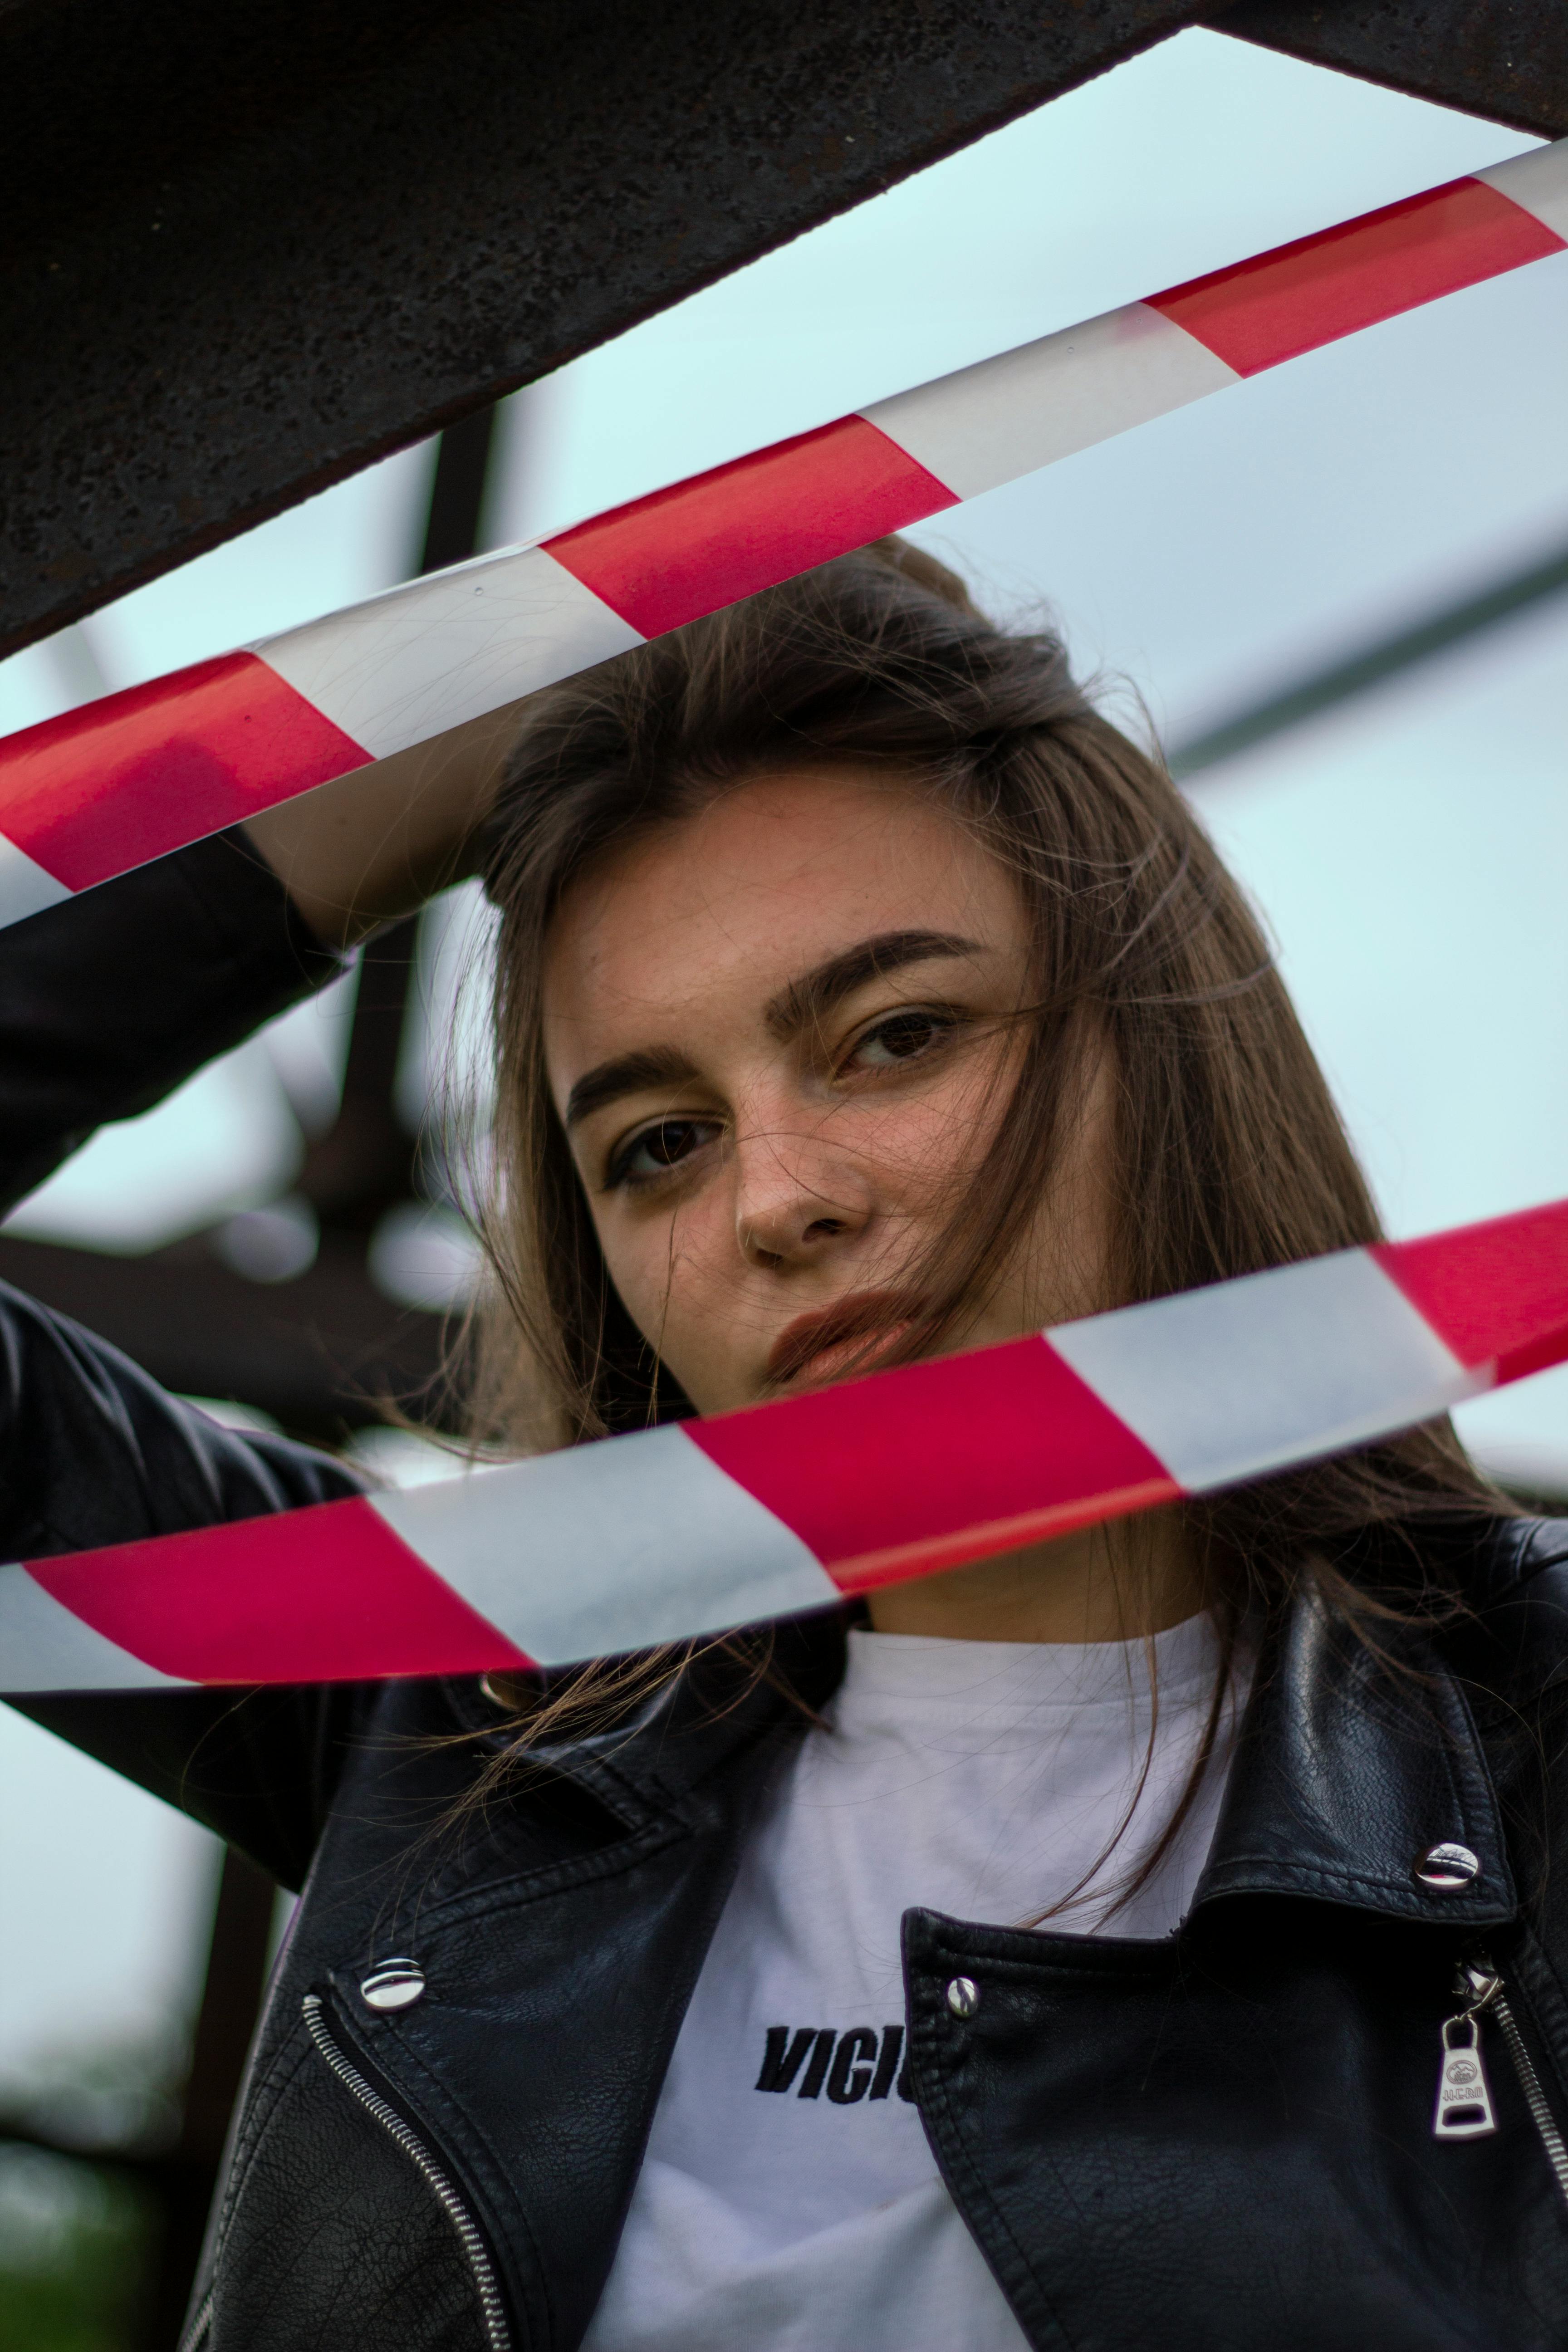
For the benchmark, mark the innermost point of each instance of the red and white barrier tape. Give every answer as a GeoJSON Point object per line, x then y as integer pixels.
{"type": "Point", "coordinates": [673, 1533]}
{"type": "Point", "coordinates": [128, 778]}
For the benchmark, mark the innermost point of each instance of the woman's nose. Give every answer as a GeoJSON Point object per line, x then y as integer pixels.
{"type": "Point", "coordinates": [796, 1196]}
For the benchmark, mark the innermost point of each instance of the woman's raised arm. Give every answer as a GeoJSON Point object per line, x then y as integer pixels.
{"type": "Point", "coordinates": [380, 840]}
{"type": "Point", "coordinates": [106, 1003]}
{"type": "Point", "coordinates": [110, 1000]}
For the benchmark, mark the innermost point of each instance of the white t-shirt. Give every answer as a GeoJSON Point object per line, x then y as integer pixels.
{"type": "Point", "coordinates": [788, 2201]}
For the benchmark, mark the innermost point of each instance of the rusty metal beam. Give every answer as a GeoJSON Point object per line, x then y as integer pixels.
{"type": "Point", "coordinates": [1505, 59]}
{"type": "Point", "coordinates": [250, 249]}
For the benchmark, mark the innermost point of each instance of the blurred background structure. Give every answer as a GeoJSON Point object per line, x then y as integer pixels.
{"type": "Point", "coordinates": [1338, 592]}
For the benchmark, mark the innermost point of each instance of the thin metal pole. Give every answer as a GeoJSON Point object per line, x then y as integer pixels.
{"type": "Point", "coordinates": [1344, 681]}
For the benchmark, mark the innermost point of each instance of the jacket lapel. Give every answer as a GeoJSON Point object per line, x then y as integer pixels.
{"type": "Point", "coordinates": [1348, 1770]}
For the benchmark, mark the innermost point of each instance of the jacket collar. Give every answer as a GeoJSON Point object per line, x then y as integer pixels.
{"type": "Point", "coordinates": [1347, 1770]}
{"type": "Point", "coordinates": [679, 1744]}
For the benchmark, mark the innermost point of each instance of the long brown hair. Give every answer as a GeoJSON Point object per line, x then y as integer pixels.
{"type": "Point", "coordinates": [1229, 1155]}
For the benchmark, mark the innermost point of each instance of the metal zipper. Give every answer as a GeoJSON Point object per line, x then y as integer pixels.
{"type": "Point", "coordinates": [497, 2332]}
{"type": "Point", "coordinates": [201, 2320]}
{"type": "Point", "coordinates": [1482, 1980]}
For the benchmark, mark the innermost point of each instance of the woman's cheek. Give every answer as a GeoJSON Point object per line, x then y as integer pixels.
{"type": "Point", "coordinates": [920, 1150]}
{"type": "Point", "coordinates": [639, 1267]}
{"type": "Point", "coordinates": [673, 1275]}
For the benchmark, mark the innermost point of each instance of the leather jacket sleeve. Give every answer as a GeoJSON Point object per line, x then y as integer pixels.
{"type": "Point", "coordinates": [109, 1001]}
{"type": "Point", "coordinates": [107, 1004]}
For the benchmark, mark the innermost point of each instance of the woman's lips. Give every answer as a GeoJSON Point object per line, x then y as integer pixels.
{"type": "Point", "coordinates": [857, 1331]}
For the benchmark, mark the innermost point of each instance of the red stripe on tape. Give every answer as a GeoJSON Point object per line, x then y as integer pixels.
{"type": "Point", "coordinates": [1008, 1441]}
{"type": "Point", "coordinates": [323, 1594]}
{"type": "Point", "coordinates": [1494, 1291]}
{"type": "Point", "coordinates": [681, 553]}
{"type": "Point", "coordinates": [1280, 304]}
{"type": "Point", "coordinates": [106, 787]}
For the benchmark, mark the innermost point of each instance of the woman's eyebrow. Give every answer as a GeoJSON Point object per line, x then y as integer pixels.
{"type": "Point", "coordinates": [807, 1001]}
{"type": "Point", "coordinates": [628, 1074]}
{"type": "Point", "coordinates": [800, 1005]}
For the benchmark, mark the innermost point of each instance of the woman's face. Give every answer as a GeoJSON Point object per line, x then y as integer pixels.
{"type": "Point", "coordinates": [778, 1035]}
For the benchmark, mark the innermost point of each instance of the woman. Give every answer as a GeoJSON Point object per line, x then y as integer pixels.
{"type": "Point", "coordinates": [861, 994]}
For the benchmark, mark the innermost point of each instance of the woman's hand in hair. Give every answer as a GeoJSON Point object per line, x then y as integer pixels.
{"type": "Point", "coordinates": [380, 840]}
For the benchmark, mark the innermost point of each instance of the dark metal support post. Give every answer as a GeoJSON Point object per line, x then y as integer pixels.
{"type": "Point", "coordinates": [366, 1163]}
{"type": "Point", "coordinates": [352, 1175]}
{"type": "Point", "coordinates": [315, 1352]}
{"type": "Point", "coordinates": [231, 2000]}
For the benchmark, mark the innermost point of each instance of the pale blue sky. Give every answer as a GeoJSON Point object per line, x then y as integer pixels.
{"type": "Point", "coordinates": [1406, 852]}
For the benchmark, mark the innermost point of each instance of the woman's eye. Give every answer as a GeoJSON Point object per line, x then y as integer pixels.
{"type": "Point", "coordinates": [652, 1151]}
{"type": "Point", "coordinates": [901, 1036]}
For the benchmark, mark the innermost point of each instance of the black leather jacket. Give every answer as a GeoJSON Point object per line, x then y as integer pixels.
{"type": "Point", "coordinates": [1219, 2140]}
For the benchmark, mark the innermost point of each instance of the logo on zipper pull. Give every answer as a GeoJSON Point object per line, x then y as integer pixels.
{"type": "Point", "coordinates": [1464, 2096]}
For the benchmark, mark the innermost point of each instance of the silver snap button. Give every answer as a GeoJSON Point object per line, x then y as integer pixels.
{"type": "Point", "coordinates": [1447, 1868]}
{"type": "Point", "coordinates": [963, 1996]}
{"type": "Point", "coordinates": [393, 1984]}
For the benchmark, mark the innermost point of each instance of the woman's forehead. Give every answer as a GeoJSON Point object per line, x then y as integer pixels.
{"type": "Point", "coordinates": [762, 885]}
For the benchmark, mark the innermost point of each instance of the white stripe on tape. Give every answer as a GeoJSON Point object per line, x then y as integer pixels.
{"type": "Point", "coordinates": [1221, 1384]}
{"type": "Point", "coordinates": [432, 653]}
{"type": "Point", "coordinates": [50, 1648]}
{"type": "Point", "coordinates": [647, 1535]}
{"type": "Point", "coordinates": [987, 425]}
{"type": "Point", "coordinates": [1537, 182]}
{"type": "Point", "coordinates": [25, 888]}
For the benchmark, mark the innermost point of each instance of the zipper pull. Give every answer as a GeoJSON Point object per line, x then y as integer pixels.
{"type": "Point", "coordinates": [1464, 2109]}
